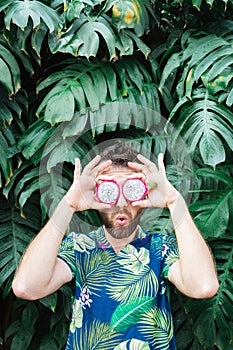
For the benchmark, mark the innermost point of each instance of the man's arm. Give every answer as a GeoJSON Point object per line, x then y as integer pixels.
{"type": "Point", "coordinates": [41, 272]}
{"type": "Point", "coordinates": [194, 274]}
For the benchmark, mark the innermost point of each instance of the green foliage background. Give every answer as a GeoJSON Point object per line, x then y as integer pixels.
{"type": "Point", "coordinates": [76, 73]}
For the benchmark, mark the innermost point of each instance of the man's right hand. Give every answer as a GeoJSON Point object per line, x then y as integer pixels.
{"type": "Point", "coordinates": [81, 195]}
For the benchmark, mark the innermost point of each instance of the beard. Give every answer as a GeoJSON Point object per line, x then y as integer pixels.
{"type": "Point", "coordinates": [116, 231]}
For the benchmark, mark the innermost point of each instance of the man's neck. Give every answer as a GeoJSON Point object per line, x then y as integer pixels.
{"type": "Point", "coordinates": [119, 243]}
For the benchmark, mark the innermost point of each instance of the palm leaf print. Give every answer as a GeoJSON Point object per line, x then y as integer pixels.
{"type": "Point", "coordinates": [129, 313]}
{"type": "Point", "coordinates": [156, 245]}
{"type": "Point", "coordinates": [98, 336]}
{"type": "Point", "coordinates": [83, 243]}
{"type": "Point", "coordinates": [169, 243]}
{"type": "Point", "coordinates": [165, 246]}
{"type": "Point", "coordinates": [100, 236]}
{"type": "Point", "coordinates": [66, 252]}
{"type": "Point", "coordinates": [133, 259]}
{"type": "Point", "coordinates": [94, 268]}
{"type": "Point", "coordinates": [134, 344]}
{"type": "Point", "coordinates": [157, 327]}
{"type": "Point", "coordinates": [124, 285]}
{"type": "Point", "coordinates": [171, 257]}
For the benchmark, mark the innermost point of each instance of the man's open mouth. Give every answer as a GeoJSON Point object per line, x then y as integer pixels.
{"type": "Point", "coordinates": [121, 219]}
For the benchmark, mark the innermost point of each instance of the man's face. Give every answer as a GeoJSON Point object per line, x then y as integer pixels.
{"type": "Point", "coordinates": [122, 218]}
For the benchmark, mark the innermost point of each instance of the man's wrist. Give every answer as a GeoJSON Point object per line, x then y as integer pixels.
{"type": "Point", "coordinates": [179, 211]}
{"type": "Point", "coordinates": [177, 199]}
{"type": "Point", "coordinates": [62, 216]}
{"type": "Point", "coordinates": [69, 204]}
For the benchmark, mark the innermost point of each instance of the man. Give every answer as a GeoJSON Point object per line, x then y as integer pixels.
{"type": "Point", "coordinates": [121, 297]}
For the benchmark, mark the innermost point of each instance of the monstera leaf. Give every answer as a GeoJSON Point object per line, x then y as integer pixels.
{"type": "Point", "coordinates": [20, 11]}
{"type": "Point", "coordinates": [205, 123]}
{"type": "Point", "coordinates": [88, 36]}
{"type": "Point", "coordinates": [74, 89]}
{"type": "Point", "coordinates": [27, 45]}
{"type": "Point", "coordinates": [83, 36]}
{"type": "Point", "coordinates": [204, 57]}
{"type": "Point", "coordinates": [209, 54]}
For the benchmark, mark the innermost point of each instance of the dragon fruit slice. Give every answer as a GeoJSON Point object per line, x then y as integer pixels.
{"type": "Point", "coordinates": [134, 189]}
{"type": "Point", "coordinates": [107, 192]}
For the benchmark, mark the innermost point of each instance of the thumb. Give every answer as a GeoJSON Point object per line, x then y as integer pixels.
{"type": "Point", "coordinates": [77, 169]}
{"type": "Point", "coordinates": [161, 163]}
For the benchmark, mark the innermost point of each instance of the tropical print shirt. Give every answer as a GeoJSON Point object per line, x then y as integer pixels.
{"type": "Point", "coordinates": [121, 299]}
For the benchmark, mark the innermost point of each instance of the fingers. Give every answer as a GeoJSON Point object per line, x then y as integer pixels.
{"type": "Point", "coordinates": [150, 165]}
{"type": "Point", "coordinates": [101, 206]}
{"type": "Point", "coordinates": [93, 162]}
{"type": "Point", "coordinates": [94, 168]}
{"type": "Point", "coordinates": [145, 203]}
{"type": "Point", "coordinates": [102, 177]}
{"type": "Point", "coordinates": [77, 166]}
{"type": "Point", "coordinates": [145, 161]}
{"type": "Point", "coordinates": [104, 167]}
{"type": "Point", "coordinates": [135, 166]}
{"type": "Point", "coordinates": [141, 176]}
{"type": "Point", "coordinates": [140, 171]}
{"type": "Point", "coordinates": [92, 165]}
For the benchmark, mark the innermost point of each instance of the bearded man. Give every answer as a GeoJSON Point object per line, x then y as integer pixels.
{"type": "Point", "coordinates": [121, 272]}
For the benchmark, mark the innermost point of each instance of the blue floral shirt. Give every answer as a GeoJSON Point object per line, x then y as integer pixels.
{"type": "Point", "coordinates": [121, 300]}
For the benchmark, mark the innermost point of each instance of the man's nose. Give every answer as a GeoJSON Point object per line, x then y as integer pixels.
{"type": "Point", "coordinates": [122, 202]}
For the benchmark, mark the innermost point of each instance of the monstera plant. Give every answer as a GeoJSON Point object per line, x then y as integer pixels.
{"type": "Point", "coordinates": [75, 74]}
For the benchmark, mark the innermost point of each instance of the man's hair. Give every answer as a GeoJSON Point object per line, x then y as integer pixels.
{"type": "Point", "coordinates": [120, 154]}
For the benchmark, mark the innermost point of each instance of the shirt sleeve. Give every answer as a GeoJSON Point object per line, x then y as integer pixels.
{"type": "Point", "coordinates": [67, 254]}
{"type": "Point", "coordinates": [170, 253]}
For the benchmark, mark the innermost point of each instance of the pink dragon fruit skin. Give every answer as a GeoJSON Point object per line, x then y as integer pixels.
{"type": "Point", "coordinates": [134, 189]}
{"type": "Point", "coordinates": [107, 191]}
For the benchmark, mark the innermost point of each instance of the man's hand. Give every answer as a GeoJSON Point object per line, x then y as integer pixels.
{"type": "Point", "coordinates": [81, 195]}
{"type": "Point", "coordinates": [161, 192]}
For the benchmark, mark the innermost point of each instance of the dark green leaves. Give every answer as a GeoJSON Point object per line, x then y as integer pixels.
{"type": "Point", "coordinates": [132, 14]}
{"type": "Point", "coordinates": [35, 137]}
{"type": "Point", "coordinates": [205, 123]}
{"type": "Point", "coordinates": [11, 127]}
{"type": "Point", "coordinates": [91, 85]}
{"type": "Point", "coordinates": [88, 60]}
{"type": "Point", "coordinates": [16, 234]}
{"type": "Point", "coordinates": [213, 212]}
{"type": "Point", "coordinates": [86, 33]}
{"type": "Point", "coordinates": [10, 72]}
{"type": "Point", "coordinates": [204, 58]}
{"type": "Point", "coordinates": [216, 312]}
{"type": "Point", "coordinates": [87, 36]}
{"type": "Point", "coordinates": [20, 12]}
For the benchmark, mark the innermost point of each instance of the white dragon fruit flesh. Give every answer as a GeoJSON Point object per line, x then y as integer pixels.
{"type": "Point", "coordinates": [134, 189]}
{"type": "Point", "coordinates": [107, 192]}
